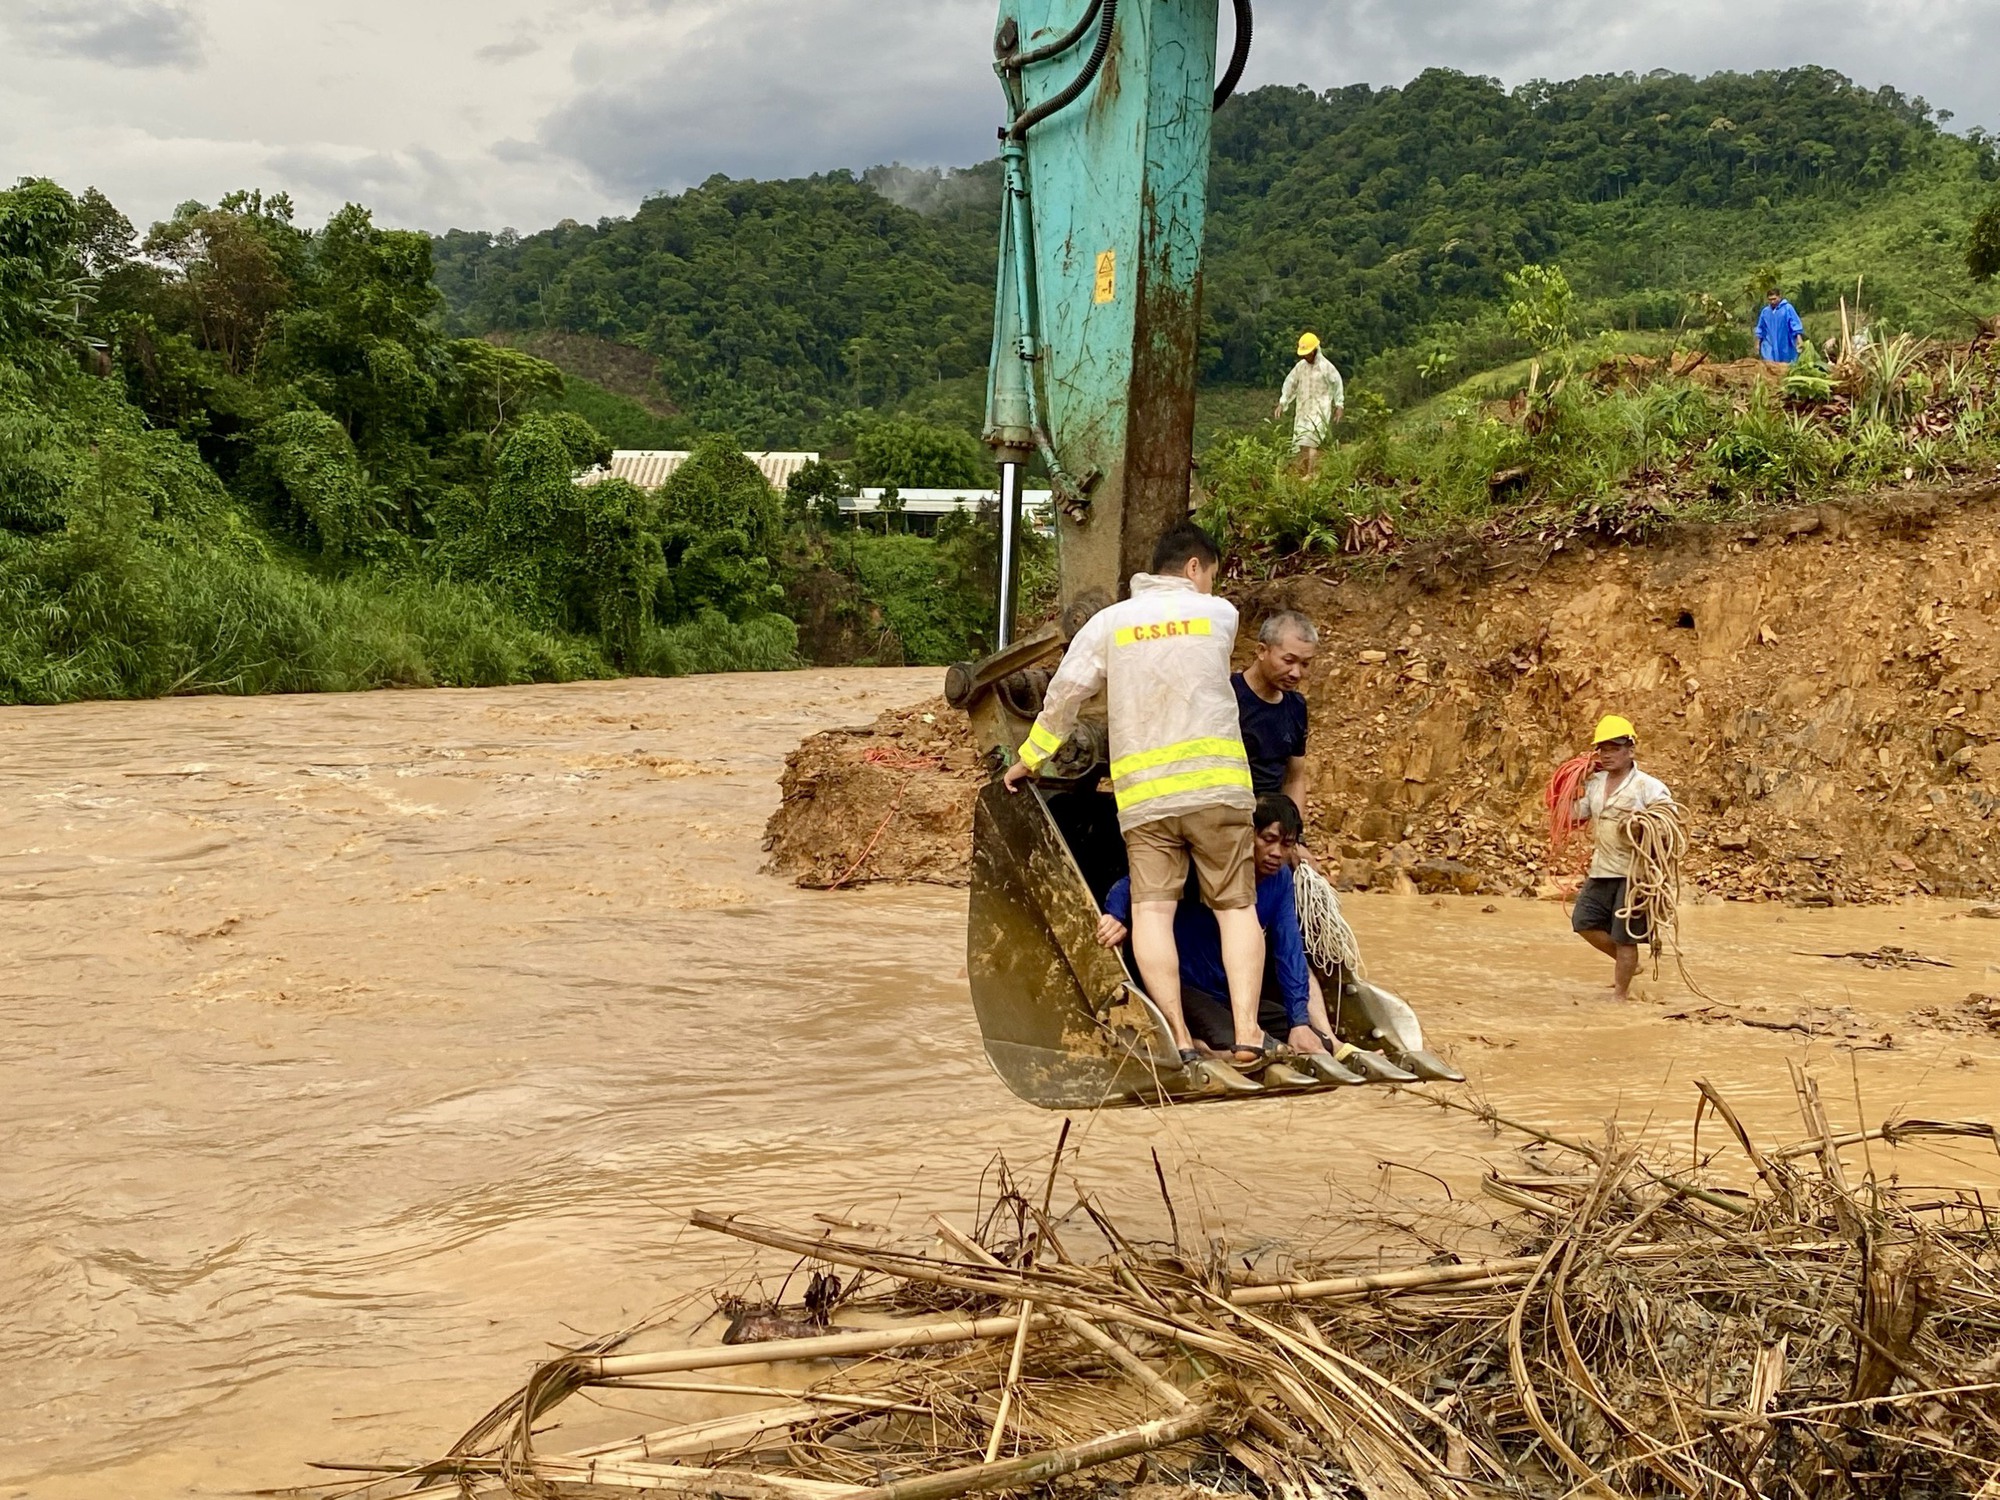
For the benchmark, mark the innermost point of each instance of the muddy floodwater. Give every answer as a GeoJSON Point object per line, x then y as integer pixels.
{"type": "Point", "coordinates": [355, 1051]}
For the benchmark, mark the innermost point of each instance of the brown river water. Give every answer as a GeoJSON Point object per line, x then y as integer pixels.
{"type": "Point", "coordinates": [356, 1051]}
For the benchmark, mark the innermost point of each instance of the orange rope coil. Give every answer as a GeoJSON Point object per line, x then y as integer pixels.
{"type": "Point", "coordinates": [1560, 798]}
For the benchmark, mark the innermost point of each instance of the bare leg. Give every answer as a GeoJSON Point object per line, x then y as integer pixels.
{"type": "Point", "coordinates": [1624, 962]}
{"type": "Point", "coordinates": [1626, 968]}
{"type": "Point", "coordinates": [1243, 960]}
{"type": "Point", "coordinates": [1306, 1038]}
{"type": "Point", "coordinates": [1159, 960]}
{"type": "Point", "coordinates": [1309, 461]}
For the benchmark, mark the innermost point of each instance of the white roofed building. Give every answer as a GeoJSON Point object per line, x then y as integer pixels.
{"type": "Point", "coordinates": [924, 508]}
{"type": "Point", "coordinates": [649, 467]}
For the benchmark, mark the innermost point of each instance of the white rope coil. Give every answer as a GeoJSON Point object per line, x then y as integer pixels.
{"type": "Point", "coordinates": [1330, 942]}
{"type": "Point", "coordinates": [1653, 890]}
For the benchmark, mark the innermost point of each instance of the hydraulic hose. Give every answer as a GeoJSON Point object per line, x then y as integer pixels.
{"type": "Point", "coordinates": [1019, 60]}
{"type": "Point", "coordinates": [1107, 16]}
{"type": "Point", "coordinates": [1239, 56]}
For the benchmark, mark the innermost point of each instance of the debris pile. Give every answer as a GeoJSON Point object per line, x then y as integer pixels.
{"type": "Point", "coordinates": [890, 800]}
{"type": "Point", "coordinates": [1653, 1328]}
{"type": "Point", "coordinates": [1976, 1013]}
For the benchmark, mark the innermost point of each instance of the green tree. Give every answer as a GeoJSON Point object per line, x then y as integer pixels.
{"type": "Point", "coordinates": [719, 531]}
{"type": "Point", "coordinates": [582, 557]}
{"type": "Point", "coordinates": [1543, 311]}
{"type": "Point", "coordinates": [813, 494]}
{"type": "Point", "coordinates": [918, 455]}
{"type": "Point", "coordinates": [1982, 248]}
{"type": "Point", "coordinates": [491, 384]}
{"type": "Point", "coordinates": [305, 468]}
{"type": "Point", "coordinates": [41, 281]}
{"type": "Point", "coordinates": [234, 271]}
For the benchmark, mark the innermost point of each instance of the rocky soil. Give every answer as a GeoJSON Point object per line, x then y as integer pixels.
{"type": "Point", "coordinates": [1821, 691]}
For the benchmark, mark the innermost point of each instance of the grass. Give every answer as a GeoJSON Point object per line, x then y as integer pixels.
{"type": "Point", "coordinates": [84, 617]}
{"type": "Point", "coordinates": [1620, 461]}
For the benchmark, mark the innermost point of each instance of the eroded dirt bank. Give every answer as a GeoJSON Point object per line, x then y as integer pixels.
{"type": "Point", "coordinates": [1819, 690]}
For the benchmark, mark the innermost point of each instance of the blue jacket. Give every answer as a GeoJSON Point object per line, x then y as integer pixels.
{"type": "Point", "coordinates": [1779, 331]}
{"type": "Point", "coordinates": [1199, 939]}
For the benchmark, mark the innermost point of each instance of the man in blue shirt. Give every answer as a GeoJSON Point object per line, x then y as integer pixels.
{"type": "Point", "coordinates": [1778, 330]}
{"type": "Point", "coordinates": [1285, 1008]}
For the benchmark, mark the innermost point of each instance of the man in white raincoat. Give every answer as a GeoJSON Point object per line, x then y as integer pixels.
{"type": "Point", "coordinates": [1318, 399]}
{"type": "Point", "coordinates": [1178, 769]}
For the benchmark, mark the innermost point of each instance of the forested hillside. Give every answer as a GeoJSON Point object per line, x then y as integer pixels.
{"type": "Point", "coordinates": [1384, 218]}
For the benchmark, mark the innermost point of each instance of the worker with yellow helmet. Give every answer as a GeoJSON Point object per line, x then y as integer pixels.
{"type": "Point", "coordinates": [1318, 399]}
{"type": "Point", "coordinates": [1615, 790]}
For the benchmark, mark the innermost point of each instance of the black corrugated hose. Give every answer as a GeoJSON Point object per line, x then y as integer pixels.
{"type": "Point", "coordinates": [1020, 60]}
{"type": "Point", "coordinates": [1239, 56]}
{"type": "Point", "coordinates": [1029, 118]}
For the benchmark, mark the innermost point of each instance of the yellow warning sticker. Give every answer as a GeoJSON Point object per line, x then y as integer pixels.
{"type": "Point", "coordinates": [1107, 275]}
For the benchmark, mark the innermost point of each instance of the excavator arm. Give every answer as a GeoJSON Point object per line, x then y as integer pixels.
{"type": "Point", "coordinates": [1104, 150]}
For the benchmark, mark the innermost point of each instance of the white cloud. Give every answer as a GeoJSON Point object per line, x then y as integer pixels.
{"type": "Point", "coordinates": [764, 88]}
{"type": "Point", "coordinates": [487, 112]}
{"type": "Point", "coordinates": [116, 33]}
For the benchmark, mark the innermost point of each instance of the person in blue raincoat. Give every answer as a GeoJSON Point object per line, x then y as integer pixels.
{"type": "Point", "coordinates": [1778, 330]}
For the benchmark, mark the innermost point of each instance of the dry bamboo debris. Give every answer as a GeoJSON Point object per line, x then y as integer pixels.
{"type": "Point", "coordinates": [1819, 1337]}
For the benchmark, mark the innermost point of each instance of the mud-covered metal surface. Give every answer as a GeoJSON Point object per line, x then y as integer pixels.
{"type": "Point", "coordinates": [1042, 986]}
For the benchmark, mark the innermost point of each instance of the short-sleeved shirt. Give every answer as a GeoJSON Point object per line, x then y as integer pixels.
{"type": "Point", "coordinates": [1272, 734]}
{"type": "Point", "coordinates": [1611, 858]}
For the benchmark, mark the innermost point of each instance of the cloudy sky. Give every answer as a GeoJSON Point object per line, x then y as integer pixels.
{"type": "Point", "coordinates": [484, 113]}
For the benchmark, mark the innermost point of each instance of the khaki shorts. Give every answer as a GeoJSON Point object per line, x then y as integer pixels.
{"type": "Point", "coordinates": [1224, 847]}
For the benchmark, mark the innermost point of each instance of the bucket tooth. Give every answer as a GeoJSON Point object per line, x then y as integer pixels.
{"type": "Point", "coordinates": [1428, 1066]}
{"type": "Point", "coordinates": [1328, 1070]}
{"type": "Point", "coordinates": [1218, 1077]}
{"type": "Point", "coordinates": [1374, 1067]}
{"type": "Point", "coordinates": [1287, 1075]}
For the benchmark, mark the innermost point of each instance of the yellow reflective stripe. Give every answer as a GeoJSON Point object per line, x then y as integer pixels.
{"type": "Point", "coordinates": [1038, 747]}
{"type": "Point", "coordinates": [1186, 781]}
{"type": "Point", "coordinates": [1165, 630]}
{"type": "Point", "coordinates": [1145, 760]}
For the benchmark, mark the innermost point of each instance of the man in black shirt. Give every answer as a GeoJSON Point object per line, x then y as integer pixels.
{"type": "Point", "coordinates": [1271, 707]}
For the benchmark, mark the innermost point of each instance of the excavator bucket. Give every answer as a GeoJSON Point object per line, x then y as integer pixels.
{"type": "Point", "coordinates": [1064, 1026]}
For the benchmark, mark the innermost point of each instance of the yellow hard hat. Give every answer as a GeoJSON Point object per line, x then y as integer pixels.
{"type": "Point", "coordinates": [1613, 727]}
{"type": "Point", "coordinates": [1307, 343]}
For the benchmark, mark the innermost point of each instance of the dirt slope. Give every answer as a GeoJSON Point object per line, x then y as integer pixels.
{"type": "Point", "coordinates": [1818, 690]}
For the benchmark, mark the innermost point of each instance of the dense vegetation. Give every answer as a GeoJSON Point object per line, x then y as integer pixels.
{"type": "Point", "coordinates": [245, 456]}
{"type": "Point", "coordinates": [240, 454]}
{"type": "Point", "coordinates": [1386, 219]}
{"type": "Point", "coordinates": [773, 307]}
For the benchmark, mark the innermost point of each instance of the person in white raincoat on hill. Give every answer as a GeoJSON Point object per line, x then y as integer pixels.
{"type": "Point", "coordinates": [1318, 399]}
{"type": "Point", "coordinates": [1178, 769]}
